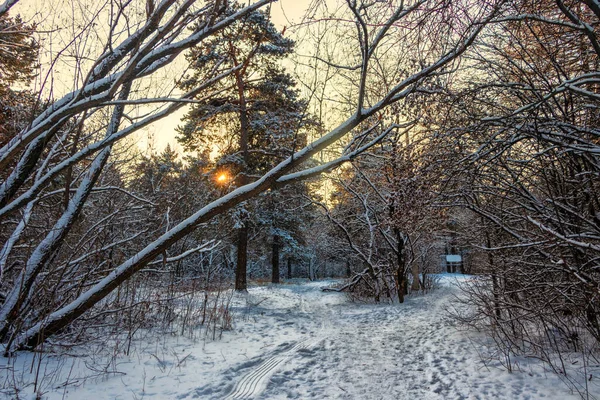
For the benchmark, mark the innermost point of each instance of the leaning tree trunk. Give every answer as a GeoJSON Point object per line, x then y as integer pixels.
{"type": "Point", "coordinates": [19, 296]}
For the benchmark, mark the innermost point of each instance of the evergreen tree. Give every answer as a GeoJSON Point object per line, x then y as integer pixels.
{"type": "Point", "coordinates": [256, 119]}
{"type": "Point", "coordinates": [18, 60]}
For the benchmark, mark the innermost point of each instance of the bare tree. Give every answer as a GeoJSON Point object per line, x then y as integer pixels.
{"type": "Point", "coordinates": [526, 134]}
{"type": "Point", "coordinates": [109, 88]}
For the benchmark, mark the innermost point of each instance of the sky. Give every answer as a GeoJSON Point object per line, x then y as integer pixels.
{"type": "Point", "coordinates": [54, 15]}
{"type": "Point", "coordinates": [283, 13]}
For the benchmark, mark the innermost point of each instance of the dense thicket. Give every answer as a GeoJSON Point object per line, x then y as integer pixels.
{"type": "Point", "coordinates": [527, 138]}
{"type": "Point", "coordinates": [503, 166]}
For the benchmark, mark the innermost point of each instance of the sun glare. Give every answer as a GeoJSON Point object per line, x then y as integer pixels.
{"type": "Point", "coordinates": [222, 177]}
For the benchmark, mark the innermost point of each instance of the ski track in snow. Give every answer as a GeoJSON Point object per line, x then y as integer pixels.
{"type": "Point", "coordinates": [297, 342]}
{"type": "Point", "coordinates": [254, 382]}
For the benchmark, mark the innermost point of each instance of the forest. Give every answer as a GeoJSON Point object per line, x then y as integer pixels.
{"type": "Point", "coordinates": [166, 163]}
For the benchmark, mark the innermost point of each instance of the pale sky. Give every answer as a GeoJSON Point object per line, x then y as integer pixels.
{"type": "Point", "coordinates": [54, 14]}
{"type": "Point", "coordinates": [284, 13]}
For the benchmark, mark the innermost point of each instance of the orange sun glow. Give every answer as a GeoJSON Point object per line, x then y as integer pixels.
{"type": "Point", "coordinates": [222, 177]}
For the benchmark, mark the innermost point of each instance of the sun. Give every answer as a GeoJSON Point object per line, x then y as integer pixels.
{"type": "Point", "coordinates": [222, 178]}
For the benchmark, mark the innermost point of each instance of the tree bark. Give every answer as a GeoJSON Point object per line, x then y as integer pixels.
{"type": "Point", "coordinates": [416, 283]}
{"type": "Point", "coordinates": [400, 275]}
{"type": "Point", "coordinates": [289, 268]}
{"type": "Point", "coordinates": [242, 242]}
{"type": "Point", "coordinates": [242, 258]}
{"type": "Point", "coordinates": [275, 259]}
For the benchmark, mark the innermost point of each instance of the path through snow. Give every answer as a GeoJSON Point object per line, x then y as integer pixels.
{"type": "Point", "coordinates": [297, 342]}
{"type": "Point", "coordinates": [353, 351]}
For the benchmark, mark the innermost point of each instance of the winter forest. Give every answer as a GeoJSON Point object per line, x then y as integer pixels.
{"type": "Point", "coordinates": [306, 199]}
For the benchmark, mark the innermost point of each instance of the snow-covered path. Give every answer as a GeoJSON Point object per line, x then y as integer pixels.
{"type": "Point", "coordinates": [298, 342]}
{"type": "Point", "coordinates": [338, 350]}
{"type": "Point", "coordinates": [410, 351]}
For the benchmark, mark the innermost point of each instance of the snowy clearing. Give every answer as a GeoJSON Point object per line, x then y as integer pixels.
{"type": "Point", "coordinates": [295, 341]}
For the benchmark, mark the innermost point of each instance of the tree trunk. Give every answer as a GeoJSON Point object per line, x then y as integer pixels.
{"type": "Point", "coordinates": [400, 275]}
{"type": "Point", "coordinates": [242, 258]}
{"type": "Point", "coordinates": [242, 242]}
{"type": "Point", "coordinates": [289, 268]}
{"type": "Point", "coordinates": [416, 283]}
{"type": "Point", "coordinates": [275, 259]}
{"type": "Point", "coordinates": [69, 170]}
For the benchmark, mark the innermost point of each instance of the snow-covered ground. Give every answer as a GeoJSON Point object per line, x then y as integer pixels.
{"type": "Point", "coordinates": [296, 341]}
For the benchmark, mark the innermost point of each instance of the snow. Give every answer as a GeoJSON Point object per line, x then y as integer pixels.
{"type": "Point", "coordinates": [453, 258]}
{"type": "Point", "coordinates": [296, 341]}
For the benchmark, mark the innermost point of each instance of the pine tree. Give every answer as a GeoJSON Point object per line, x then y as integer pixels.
{"type": "Point", "coordinates": [256, 118]}
{"type": "Point", "coordinates": [18, 60]}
